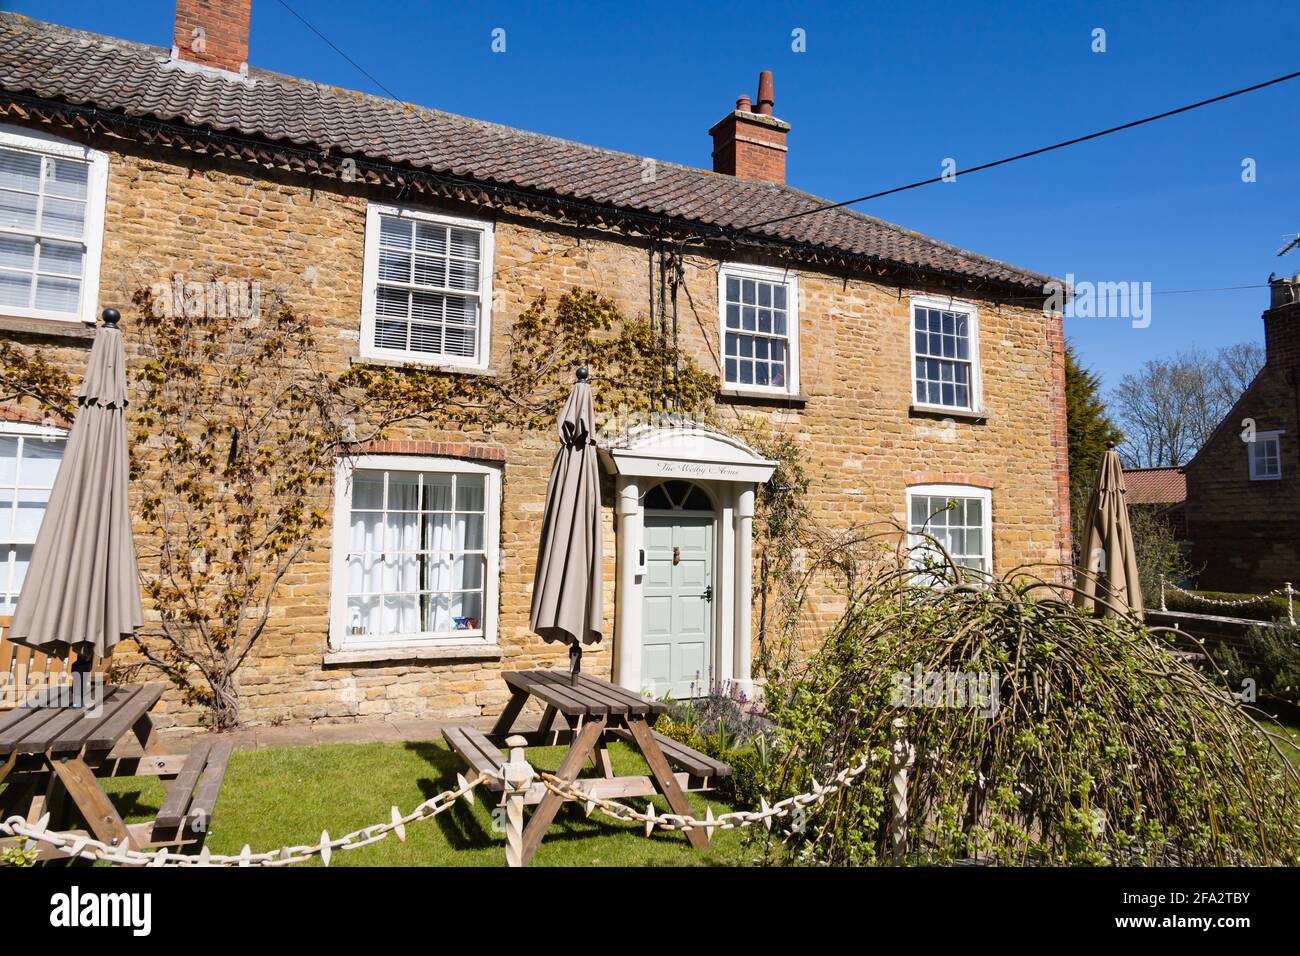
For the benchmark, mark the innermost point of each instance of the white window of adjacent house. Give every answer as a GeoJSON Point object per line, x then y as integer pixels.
{"type": "Point", "coordinates": [51, 226]}
{"type": "Point", "coordinates": [1265, 455]}
{"type": "Point", "coordinates": [415, 552]}
{"type": "Point", "coordinates": [29, 460]}
{"type": "Point", "coordinates": [959, 520]}
{"type": "Point", "coordinates": [760, 328]}
{"type": "Point", "coordinates": [945, 354]}
{"type": "Point", "coordinates": [427, 287]}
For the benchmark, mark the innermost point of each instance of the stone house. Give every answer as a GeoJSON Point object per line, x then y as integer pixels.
{"type": "Point", "coordinates": [1243, 485]}
{"type": "Point", "coordinates": [909, 371]}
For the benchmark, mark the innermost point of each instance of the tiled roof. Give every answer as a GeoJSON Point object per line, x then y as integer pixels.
{"type": "Point", "coordinates": [57, 63]}
{"type": "Point", "coordinates": [1155, 486]}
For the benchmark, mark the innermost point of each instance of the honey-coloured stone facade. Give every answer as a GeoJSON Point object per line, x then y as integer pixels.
{"type": "Point", "coordinates": [170, 211]}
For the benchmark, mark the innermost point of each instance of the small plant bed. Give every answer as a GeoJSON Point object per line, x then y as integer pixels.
{"type": "Point", "coordinates": [286, 796]}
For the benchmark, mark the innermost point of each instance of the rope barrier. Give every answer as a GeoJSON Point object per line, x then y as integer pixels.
{"type": "Point", "coordinates": [88, 848]}
{"type": "Point", "coordinates": [1285, 591]}
{"type": "Point", "coordinates": [85, 847]}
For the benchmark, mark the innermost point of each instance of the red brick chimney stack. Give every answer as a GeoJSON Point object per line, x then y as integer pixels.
{"type": "Point", "coordinates": [750, 142]}
{"type": "Point", "coordinates": [213, 33]}
{"type": "Point", "coordinates": [1282, 323]}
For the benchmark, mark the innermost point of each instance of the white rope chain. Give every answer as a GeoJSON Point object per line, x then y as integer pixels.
{"type": "Point", "coordinates": [85, 847]}
{"type": "Point", "coordinates": [79, 845]}
{"type": "Point", "coordinates": [1258, 599]}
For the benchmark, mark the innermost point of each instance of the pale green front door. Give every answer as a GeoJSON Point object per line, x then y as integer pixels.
{"type": "Point", "coordinates": [677, 608]}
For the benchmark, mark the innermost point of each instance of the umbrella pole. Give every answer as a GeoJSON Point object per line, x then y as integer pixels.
{"type": "Point", "coordinates": [575, 661]}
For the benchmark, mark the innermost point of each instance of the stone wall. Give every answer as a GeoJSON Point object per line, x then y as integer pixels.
{"type": "Point", "coordinates": [170, 213]}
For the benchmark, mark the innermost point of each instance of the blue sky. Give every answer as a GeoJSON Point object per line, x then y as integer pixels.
{"type": "Point", "coordinates": [883, 93]}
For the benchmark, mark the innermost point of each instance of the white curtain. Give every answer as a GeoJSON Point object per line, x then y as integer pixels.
{"type": "Point", "coordinates": [408, 571]}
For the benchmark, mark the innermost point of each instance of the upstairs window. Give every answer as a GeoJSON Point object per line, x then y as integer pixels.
{"type": "Point", "coordinates": [51, 226]}
{"type": "Point", "coordinates": [1265, 456]}
{"type": "Point", "coordinates": [427, 287]}
{"type": "Point", "coordinates": [760, 328]}
{"type": "Point", "coordinates": [945, 355]}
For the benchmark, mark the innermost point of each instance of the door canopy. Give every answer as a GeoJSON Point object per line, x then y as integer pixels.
{"type": "Point", "coordinates": [691, 452]}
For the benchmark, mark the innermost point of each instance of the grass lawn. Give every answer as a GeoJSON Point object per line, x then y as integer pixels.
{"type": "Point", "coordinates": [1289, 731]}
{"type": "Point", "coordinates": [283, 796]}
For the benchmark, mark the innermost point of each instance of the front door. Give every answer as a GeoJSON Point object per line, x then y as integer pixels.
{"type": "Point", "coordinates": [677, 613]}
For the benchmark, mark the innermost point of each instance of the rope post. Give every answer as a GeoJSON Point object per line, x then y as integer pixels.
{"type": "Point", "coordinates": [517, 775]}
{"type": "Point", "coordinates": [1290, 604]}
{"type": "Point", "coordinates": [900, 765]}
{"type": "Point", "coordinates": [1162, 593]}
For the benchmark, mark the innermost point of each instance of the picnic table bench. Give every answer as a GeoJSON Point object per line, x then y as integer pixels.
{"type": "Point", "coordinates": [594, 712]}
{"type": "Point", "coordinates": [55, 749]}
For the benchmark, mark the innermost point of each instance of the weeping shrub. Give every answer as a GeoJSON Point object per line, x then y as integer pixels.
{"type": "Point", "coordinates": [1085, 742]}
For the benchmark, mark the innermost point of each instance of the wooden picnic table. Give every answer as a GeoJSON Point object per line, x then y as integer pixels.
{"type": "Point", "coordinates": [55, 749]}
{"type": "Point", "coordinates": [594, 712]}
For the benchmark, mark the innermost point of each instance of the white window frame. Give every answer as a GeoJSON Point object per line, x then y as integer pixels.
{"type": "Point", "coordinates": [971, 311]}
{"type": "Point", "coordinates": [790, 280]}
{"type": "Point", "coordinates": [17, 137]}
{"type": "Point", "coordinates": [339, 638]}
{"type": "Point", "coordinates": [26, 432]}
{"type": "Point", "coordinates": [1273, 436]}
{"type": "Point", "coordinates": [984, 495]}
{"type": "Point", "coordinates": [370, 285]}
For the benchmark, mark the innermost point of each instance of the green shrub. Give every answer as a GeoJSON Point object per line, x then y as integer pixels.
{"type": "Point", "coordinates": [749, 761]}
{"type": "Point", "coordinates": [1101, 747]}
{"type": "Point", "coordinates": [1271, 659]}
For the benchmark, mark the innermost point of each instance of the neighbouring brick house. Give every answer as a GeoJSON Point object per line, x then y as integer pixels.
{"type": "Point", "coordinates": [1243, 486]}
{"type": "Point", "coordinates": [1164, 490]}
{"type": "Point", "coordinates": [910, 371]}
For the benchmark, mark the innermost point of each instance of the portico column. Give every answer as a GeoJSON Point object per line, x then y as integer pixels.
{"type": "Point", "coordinates": [742, 654]}
{"type": "Point", "coordinates": [627, 607]}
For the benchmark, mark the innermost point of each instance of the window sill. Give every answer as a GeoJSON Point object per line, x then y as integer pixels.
{"type": "Point", "coordinates": [742, 396]}
{"type": "Point", "coordinates": [939, 411]}
{"type": "Point", "coordinates": [53, 328]}
{"type": "Point", "coordinates": [447, 368]}
{"type": "Point", "coordinates": [477, 651]}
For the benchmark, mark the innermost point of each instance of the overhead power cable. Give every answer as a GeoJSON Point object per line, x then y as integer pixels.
{"type": "Point", "coordinates": [1033, 152]}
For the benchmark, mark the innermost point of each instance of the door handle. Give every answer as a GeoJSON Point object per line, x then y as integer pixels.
{"type": "Point", "coordinates": [708, 593]}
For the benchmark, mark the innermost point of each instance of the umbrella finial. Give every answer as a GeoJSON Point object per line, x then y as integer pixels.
{"type": "Point", "coordinates": [111, 317]}
{"type": "Point", "coordinates": [582, 373]}
{"type": "Point", "coordinates": [1110, 446]}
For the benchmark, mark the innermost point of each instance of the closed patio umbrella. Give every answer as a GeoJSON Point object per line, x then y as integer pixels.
{"type": "Point", "coordinates": [1108, 571]}
{"type": "Point", "coordinates": [81, 592]}
{"type": "Point", "coordinates": [567, 588]}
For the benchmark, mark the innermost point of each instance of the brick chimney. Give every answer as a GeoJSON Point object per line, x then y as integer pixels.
{"type": "Point", "coordinates": [1282, 323]}
{"type": "Point", "coordinates": [749, 142]}
{"type": "Point", "coordinates": [213, 33]}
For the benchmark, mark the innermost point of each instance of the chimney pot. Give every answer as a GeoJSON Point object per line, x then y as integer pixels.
{"type": "Point", "coordinates": [766, 95]}
{"type": "Point", "coordinates": [744, 105]}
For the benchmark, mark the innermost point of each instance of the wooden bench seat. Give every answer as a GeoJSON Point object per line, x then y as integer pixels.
{"type": "Point", "coordinates": [684, 758]}
{"type": "Point", "coordinates": [192, 799]}
{"type": "Point", "coordinates": [473, 746]}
